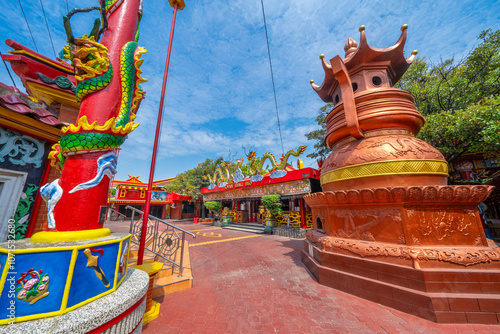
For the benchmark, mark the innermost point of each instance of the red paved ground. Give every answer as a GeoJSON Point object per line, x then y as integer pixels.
{"type": "Point", "coordinates": [259, 285]}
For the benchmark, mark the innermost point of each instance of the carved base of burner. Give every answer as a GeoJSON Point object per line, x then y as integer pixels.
{"type": "Point", "coordinates": [437, 216]}
{"type": "Point", "coordinates": [466, 292]}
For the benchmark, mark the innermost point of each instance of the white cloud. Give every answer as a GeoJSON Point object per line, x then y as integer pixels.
{"type": "Point", "coordinates": [220, 94]}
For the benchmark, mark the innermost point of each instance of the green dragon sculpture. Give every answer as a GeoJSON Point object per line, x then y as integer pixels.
{"type": "Point", "coordinates": [223, 175]}
{"type": "Point", "coordinates": [94, 72]}
{"type": "Point", "coordinates": [256, 168]}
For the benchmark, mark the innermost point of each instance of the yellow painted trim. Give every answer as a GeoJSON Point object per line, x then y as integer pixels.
{"type": "Point", "coordinates": [31, 317]}
{"type": "Point", "coordinates": [83, 124]}
{"type": "Point", "coordinates": [152, 314]}
{"type": "Point", "coordinates": [28, 125]}
{"type": "Point", "coordinates": [391, 167]}
{"type": "Point", "coordinates": [126, 263]}
{"type": "Point", "coordinates": [69, 279]}
{"type": "Point", "coordinates": [206, 229]}
{"type": "Point", "coordinates": [67, 287]}
{"type": "Point", "coordinates": [217, 241]}
{"type": "Point", "coordinates": [117, 263]}
{"type": "Point", "coordinates": [53, 95]}
{"type": "Point", "coordinates": [5, 270]}
{"type": "Point", "coordinates": [90, 300]}
{"type": "Point", "coordinates": [51, 237]}
{"type": "Point", "coordinates": [24, 52]}
{"type": "Point", "coordinates": [150, 268]}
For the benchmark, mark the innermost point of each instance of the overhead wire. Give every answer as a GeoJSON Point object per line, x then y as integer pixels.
{"type": "Point", "coordinates": [8, 71]}
{"type": "Point", "coordinates": [272, 76]}
{"type": "Point", "coordinates": [47, 24]}
{"type": "Point", "coordinates": [24, 15]}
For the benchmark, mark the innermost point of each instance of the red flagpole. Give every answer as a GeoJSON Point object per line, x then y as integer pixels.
{"type": "Point", "coordinates": [155, 148]}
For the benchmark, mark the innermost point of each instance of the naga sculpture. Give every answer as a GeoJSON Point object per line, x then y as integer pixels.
{"type": "Point", "coordinates": [224, 176]}
{"type": "Point", "coordinates": [108, 89]}
{"type": "Point", "coordinates": [277, 168]}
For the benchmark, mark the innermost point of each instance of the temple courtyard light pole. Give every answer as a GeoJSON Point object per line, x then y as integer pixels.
{"type": "Point", "coordinates": [177, 5]}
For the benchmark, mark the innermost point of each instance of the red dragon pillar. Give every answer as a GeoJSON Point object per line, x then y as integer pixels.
{"type": "Point", "coordinates": [108, 77]}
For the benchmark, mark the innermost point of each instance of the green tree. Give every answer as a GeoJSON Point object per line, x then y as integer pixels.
{"type": "Point", "coordinates": [318, 135]}
{"type": "Point", "coordinates": [458, 99]}
{"type": "Point", "coordinates": [273, 204]}
{"type": "Point", "coordinates": [191, 181]}
{"type": "Point", "coordinates": [214, 206]}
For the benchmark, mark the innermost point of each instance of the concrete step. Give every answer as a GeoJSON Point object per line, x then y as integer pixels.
{"type": "Point", "coordinates": [167, 280]}
{"type": "Point", "coordinates": [251, 228]}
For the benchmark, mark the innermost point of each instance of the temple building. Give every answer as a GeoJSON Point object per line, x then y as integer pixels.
{"type": "Point", "coordinates": [29, 125]}
{"type": "Point", "coordinates": [243, 198]}
{"type": "Point", "coordinates": [164, 205]}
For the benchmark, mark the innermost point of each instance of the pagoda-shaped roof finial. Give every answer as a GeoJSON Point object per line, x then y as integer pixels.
{"type": "Point", "coordinates": [391, 59]}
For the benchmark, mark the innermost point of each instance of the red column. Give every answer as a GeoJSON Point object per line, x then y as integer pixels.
{"type": "Point", "coordinates": [303, 223]}
{"type": "Point", "coordinates": [80, 210]}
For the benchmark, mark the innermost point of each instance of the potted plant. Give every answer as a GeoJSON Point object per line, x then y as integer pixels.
{"type": "Point", "coordinates": [215, 207]}
{"type": "Point", "coordinates": [272, 203]}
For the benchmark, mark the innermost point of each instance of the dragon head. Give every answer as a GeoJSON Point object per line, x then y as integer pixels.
{"type": "Point", "coordinates": [89, 58]}
{"type": "Point", "coordinates": [251, 155]}
{"type": "Point", "coordinates": [301, 149]}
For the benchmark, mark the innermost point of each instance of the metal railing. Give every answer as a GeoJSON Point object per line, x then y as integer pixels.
{"type": "Point", "coordinates": [163, 243]}
{"type": "Point", "coordinates": [116, 216]}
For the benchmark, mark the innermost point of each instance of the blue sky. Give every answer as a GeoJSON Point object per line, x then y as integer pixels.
{"type": "Point", "coordinates": [219, 96]}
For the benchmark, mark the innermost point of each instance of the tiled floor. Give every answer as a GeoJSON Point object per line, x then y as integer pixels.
{"type": "Point", "coordinates": [259, 285]}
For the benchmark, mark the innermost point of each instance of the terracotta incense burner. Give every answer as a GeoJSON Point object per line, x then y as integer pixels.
{"type": "Point", "coordinates": [371, 129]}
{"type": "Point", "coordinates": [386, 219]}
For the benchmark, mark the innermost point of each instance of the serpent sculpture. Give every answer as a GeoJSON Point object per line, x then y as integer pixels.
{"type": "Point", "coordinates": [256, 167]}
{"type": "Point", "coordinates": [92, 76]}
{"type": "Point", "coordinates": [108, 77]}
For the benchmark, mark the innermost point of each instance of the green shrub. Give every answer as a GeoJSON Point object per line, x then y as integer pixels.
{"type": "Point", "coordinates": [214, 206]}
{"type": "Point", "coordinates": [273, 204]}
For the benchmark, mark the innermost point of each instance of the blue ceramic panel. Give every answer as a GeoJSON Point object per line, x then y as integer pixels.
{"type": "Point", "coordinates": [36, 283]}
{"type": "Point", "coordinates": [122, 265]}
{"type": "Point", "coordinates": [89, 279]}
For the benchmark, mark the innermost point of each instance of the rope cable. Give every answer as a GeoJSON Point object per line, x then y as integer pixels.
{"type": "Point", "coordinates": [272, 76]}
{"type": "Point", "coordinates": [22, 10]}
{"type": "Point", "coordinates": [8, 71]}
{"type": "Point", "coordinates": [47, 24]}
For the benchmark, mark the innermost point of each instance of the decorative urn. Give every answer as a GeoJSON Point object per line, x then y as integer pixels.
{"type": "Point", "coordinates": [372, 126]}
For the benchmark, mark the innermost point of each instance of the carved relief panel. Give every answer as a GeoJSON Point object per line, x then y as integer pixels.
{"type": "Point", "coordinates": [365, 223]}
{"type": "Point", "coordinates": [447, 226]}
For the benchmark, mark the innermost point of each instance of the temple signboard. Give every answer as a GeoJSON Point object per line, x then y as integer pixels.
{"type": "Point", "coordinates": [288, 188]}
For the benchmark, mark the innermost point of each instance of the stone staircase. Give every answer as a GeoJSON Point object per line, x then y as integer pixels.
{"type": "Point", "coordinates": [167, 280]}
{"type": "Point", "coordinates": [247, 227]}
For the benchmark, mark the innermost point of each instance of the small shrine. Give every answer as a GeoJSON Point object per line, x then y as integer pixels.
{"type": "Point", "coordinates": [387, 227]}
{"type": "Point", "coordinates": [132, 192]}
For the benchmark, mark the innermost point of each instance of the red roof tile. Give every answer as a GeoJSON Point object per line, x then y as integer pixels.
{"type": "Point", "coordinates": [13, 102]}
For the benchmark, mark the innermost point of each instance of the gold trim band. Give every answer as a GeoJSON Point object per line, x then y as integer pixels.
{"type": "Point", "coordinates": [47, 236]}
{"type": "Point", "coordinates": [391, 167]}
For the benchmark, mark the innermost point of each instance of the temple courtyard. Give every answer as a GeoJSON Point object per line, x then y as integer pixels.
{"type": "Point", "coordinates": [252, 283]}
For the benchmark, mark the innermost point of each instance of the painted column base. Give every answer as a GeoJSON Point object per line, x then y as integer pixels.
{"type": "Point", "coordinates": [226, 220]}
{"type": "Point", "coordinates": [45, 279]}
{"type": "Point", "coordinates": [152, 314]}
{"type": "Point", "coordinates": [119, 312]}
{"type": "Point", "coordinates": [152, 307]}
{"type": "Point", "coordinates": [269, 225]}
